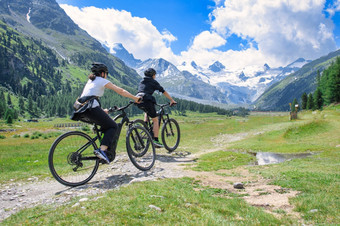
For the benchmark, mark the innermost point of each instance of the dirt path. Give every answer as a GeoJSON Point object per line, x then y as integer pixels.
{"type": "Point", "coordinates": [258, 192]}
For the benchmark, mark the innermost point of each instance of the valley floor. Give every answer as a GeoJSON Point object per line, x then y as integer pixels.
{"type": "Point", "coordinates": [258, 192]}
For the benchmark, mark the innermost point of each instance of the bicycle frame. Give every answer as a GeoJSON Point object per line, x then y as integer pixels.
{"type": "Point", "coordinates": [124, 119]}
{"type": "Point", "coordinates": [162, 116]}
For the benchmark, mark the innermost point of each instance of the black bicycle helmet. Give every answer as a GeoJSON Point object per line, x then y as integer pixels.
{"type": "Point", "coordinates": [150, 72]}
{"type": "Point", "coordinates": [98, 67]}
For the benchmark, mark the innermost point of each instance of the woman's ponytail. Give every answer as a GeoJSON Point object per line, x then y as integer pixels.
{"type": "Point", "coordinates": [92, 76]}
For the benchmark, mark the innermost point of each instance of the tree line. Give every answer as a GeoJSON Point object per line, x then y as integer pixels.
{"type": "Point", "coordinates": [327, 91]}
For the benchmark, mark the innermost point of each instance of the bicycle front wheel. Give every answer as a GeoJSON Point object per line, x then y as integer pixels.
{"type": "Point", "coordinates": [71, 159]}
{"type": "Point", "coordinates": [171, 135]}
{"type": "Point", "coordinates": [140, 148]}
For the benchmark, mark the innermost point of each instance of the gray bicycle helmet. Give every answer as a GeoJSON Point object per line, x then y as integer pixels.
{"type": "Point", "coordinates": [98, 67]}
{"type": "Point", "coordinates": [149, 72]}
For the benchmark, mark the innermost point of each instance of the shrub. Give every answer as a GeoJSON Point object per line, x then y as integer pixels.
{"type": "Point", "coordinates": [85, 128]}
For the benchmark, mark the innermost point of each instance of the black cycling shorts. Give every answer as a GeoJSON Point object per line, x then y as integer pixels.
{"type": "Point", "coordinates": [149, 108]}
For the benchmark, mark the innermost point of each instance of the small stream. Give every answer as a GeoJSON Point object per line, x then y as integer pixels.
{"type": "Point", "coordinates": [265, 158]}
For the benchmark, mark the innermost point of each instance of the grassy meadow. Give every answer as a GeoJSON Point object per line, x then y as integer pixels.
{"type": "Point", "coordinates": [24, 150]}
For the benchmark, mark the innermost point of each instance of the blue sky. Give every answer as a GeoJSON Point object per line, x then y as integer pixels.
{"type": "Point", "coordinates": [237, 33]}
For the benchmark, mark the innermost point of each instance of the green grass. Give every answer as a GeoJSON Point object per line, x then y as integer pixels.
{"type": "Point", "coordinates": [318, 180]}
{"type": "Point", "coordinates": [222, 160]}
{"type": "Point", "coordinates": [311, 133]}
{"type": "Point", "coordinates": [180, 205]}
{"type": "Point", "coordinates": [24, 152]}
{"type": "Point", "coordinates": [184, 201]}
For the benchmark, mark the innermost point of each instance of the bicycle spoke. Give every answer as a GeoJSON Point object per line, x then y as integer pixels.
{"type": "Point", "coordinates": [71, 159]}
{"type": "Point", "coordinates": [140, 148]}
{"type": "Point", "coordinates": [170, 135]}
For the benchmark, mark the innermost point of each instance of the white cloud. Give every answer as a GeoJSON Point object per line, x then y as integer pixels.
{"type": "Point", "coordinates": [109, 26]}
{"type": "Point", "coordinates": [283, 29]}
{"type": "Point", "coordinates": [233, 60]}
{"type": "Point", "coordinates": [278, 32]}
{"type": "Point", "coordinates": [334, 8]}
{"type": "Point", "coordinates": [208, 40]}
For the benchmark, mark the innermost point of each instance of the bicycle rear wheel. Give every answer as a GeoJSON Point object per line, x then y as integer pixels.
{"type": "Point", "coordinates": [71, 159]}
{"type": "Point", "coordinates": [171, 135]}
{"type": "Point", "coordinates": [140, 148]}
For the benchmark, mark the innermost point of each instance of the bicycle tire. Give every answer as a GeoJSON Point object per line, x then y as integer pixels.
{"type": "Point", "coordinates": [140, 148]}
{"type": "Point", "coordinates": [170, 134]}
{"type": "Point", "coordinates": [141, 123]}
{"type": "Point", "coordinates": [69, 166]}
{"type": "Point", "coordinates": [145, 125]}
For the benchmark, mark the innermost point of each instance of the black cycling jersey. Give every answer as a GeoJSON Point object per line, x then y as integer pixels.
{"type": "Point", "coordinates": [149, 85]}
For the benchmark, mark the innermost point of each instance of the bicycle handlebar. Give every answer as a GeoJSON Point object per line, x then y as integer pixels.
{"type": "Point", "coordinates": [115, 108]}
{"type": "Point", "coordinates": [164, 105]}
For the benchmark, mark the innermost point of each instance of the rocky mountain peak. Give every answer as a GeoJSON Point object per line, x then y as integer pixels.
{"type": "Point", "coordinates": [128, 58]}
{"type": "Point", "coordinates": [216, 67]}
{"type": "Point", "coordinates": [266, 67]}
{"type": "Point", "coordinates": [193, 64]}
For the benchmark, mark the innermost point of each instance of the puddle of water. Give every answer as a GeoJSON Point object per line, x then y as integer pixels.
{"type": "Point", "coordinates": [265, 158]}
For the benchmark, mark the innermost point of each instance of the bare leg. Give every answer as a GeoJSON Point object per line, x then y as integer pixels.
{"type": "Point", "coordinates": [155, 126]}
{"type": "Point", "coordinates": [103, 147]}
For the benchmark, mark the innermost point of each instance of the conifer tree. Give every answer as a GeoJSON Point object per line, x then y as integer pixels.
{"type": "Point", "coordinates": [8, 116]}
{"type": "Point", "coordinates": [9, 119]}
{"type": "Point", "coordinates": [30, 105]}
{"type": "Point", "coordinates": [318, 100]}
{"type": "Point", "coordinates": [9, 100]}
{"type": "Point", "coordinates": [21, 105]}
{"type": "Point", "coordinates": [330, 83]}
{"type": "Point", "coordinates": [310, 102]}
{"type": "Point", "coordinates": [304, 98]}
{"type": "Point", "coordinates": [2, 104]}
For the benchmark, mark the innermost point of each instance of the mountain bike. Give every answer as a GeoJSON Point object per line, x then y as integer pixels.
{"type": "Point", "coordinates": [170, 133]}
{"type": "Point", "coordinates": [72, 161]}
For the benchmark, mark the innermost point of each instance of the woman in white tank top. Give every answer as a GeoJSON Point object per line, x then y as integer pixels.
{"type": "Point", "coordinates": [95, 86]}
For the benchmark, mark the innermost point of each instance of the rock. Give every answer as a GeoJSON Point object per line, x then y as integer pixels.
{"type": "Point", "coordinates": [188, 204]}
{"type": "Point", "coordinates": [157, 196]}
{"type": "Point", "coordinates": [155, 208]}
{"type": "Point", "coordinates": [77, 204]}
{"type": "Point", "coordinates": [83, 200]}
{"type": "Point", "coordinates": [238, 185]}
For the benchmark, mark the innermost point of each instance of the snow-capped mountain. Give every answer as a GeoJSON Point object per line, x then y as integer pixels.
{"type": "Point", "coordinates": [181, 83]}
{"type": "Point", "coordinates": [213, 83]}
{"type": "Point", "coordinates": [246, 84]}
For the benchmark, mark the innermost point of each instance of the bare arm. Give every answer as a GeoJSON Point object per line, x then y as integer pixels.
{"type": "Point", "coordinates": [121, 91]}
{"type": "Point", "coordinates": [167, 95]}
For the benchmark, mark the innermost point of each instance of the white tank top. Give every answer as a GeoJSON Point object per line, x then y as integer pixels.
{"type": "Point", "coordinates": [95, 88]}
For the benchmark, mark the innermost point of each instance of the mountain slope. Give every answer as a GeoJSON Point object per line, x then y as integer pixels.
{"type": "Point", "coordinates": [44, 20]}
{"type": "Point", "coordinates": [279, 95]}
